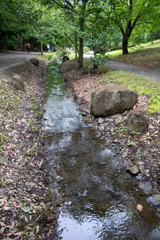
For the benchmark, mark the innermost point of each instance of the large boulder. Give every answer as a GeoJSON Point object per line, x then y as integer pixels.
{"type": "Point", "coordinates": [65, 58]}
{"type": "Point", "coordinates": [18, 82]}
{"type": "Point", "coordinates": [34, 61]}
{"type": "Point", "coordinates": [111, 100]}
{"type": "Point", "coordinates": [137, 122]}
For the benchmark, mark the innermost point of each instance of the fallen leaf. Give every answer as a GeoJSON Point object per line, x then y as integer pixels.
{"type": "Point", "coordinates": [14, 202]}
{"type": "Point", "coordinates": [49, 232]}
{"type": "Point", "coordinates": [9, 234]}
{"type": "Point", "coordinates": [31, 164]}
{"type": "Point", "coordinates": [139, 207]}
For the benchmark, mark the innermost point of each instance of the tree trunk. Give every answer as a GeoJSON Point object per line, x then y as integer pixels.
{"type": "Point", "coordinates": [125, 45]}
{"type": "Point", "coordinates": [23, 44]}
{"type": "Point", "coordinates": [81, 40]}
{"type": "Point", "coordinates": [41, 46]}
{"type": "Point", "coordinates": [80, 52]}
{"type": "Point", "coordinates": [151, 37]}
{"type": "Point", "coordinates": [76, 46]}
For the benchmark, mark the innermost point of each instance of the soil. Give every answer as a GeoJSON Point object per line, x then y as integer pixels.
{"type": "Point", "coordinates": [26, 201]}
{"type": "Point", "coordinates": [140, 150]}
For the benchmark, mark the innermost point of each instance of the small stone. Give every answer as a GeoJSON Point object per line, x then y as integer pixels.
{"type": "Point", "coordinates": [118, 120]}
{"type": "Point", "coordinates": [32, 184]}
{"type": "Point", "coordinates": [106, 129]}
{"type": "Point", "coordinates": [14, 179]}
{"type": "Point", "coordinates": [125, 154]}
{"type": "Point", "coordinates": [141, 168]}
{"type": "Point", "coordinates": [154, 199]}
{"type": "Point", "coordinates": [124, 113]}
{"type": "Point", "coordinates": [116, 140]}
{"type": "Point", "coordinates": [134, 170]}
{"type": "Point", "coordinates": [139, 177]}
{"type": "Point", "coordinates": [140, 163]}
{"type": "Point", "coordinates": [100, 120]}
{"type": "Point", "coordinates": [4, 160]}
{"type": "Point", "coordinates": [137, 122]}
{"type": "Point", "coordinates": [4, 190]}
{"type": "Point", "coordinates": [101, 128]}
{"type": "Point", "coordinates": [18, 82]}
{"type": "Point", "coordinates": [146, 186]}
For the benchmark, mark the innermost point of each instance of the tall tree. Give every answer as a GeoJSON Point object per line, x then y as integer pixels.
{"type": "Point", "coordinates": [78, 8]}
{"type": "Point", "coordinates": [126, 14]}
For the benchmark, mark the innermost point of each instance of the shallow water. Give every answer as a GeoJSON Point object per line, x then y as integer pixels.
{"type": "Point", "coordinates": [98, 199]}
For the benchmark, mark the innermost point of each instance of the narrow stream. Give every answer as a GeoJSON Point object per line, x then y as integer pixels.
{"type": "Point", "coordinates": [98, 199]}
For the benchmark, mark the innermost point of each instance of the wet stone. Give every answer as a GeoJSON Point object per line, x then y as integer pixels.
{"type": "Point", "coordinates": [4, 190]}
{"type": "Point", "coordinates": [14, 179]}
{"type": "Point", "coordinates": [154, 199]}
{"type": "Point", "coordinates": [101, 128]}
{"type": "Point", "coordinates": [141, 168]}
{"type": "Point", "coordinates": [118, 120]}
{"type": "Point", "coordinates": [100, 120]}
{"type": "Point", "coordinates": [4, 160]}
{"type": "Point", "coordinates": [106, 129]}
{"type": "Point", "coordinates": [134, 170]}
{"type": "Point", "coordinates": [146, 186]}
{"type": "Point", "coordinates": [139, 177]}
{"type": "Point", "coordinates": [32, 184]}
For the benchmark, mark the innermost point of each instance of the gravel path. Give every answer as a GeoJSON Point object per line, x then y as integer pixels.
{"type": "Point", "coordinates": [10, 59]}
{"type": "Point", "coordinates": [153, 75]}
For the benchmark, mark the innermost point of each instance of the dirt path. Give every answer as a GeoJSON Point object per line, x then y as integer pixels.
{"type": "Point", "coordinates": [153, 75]}
{"type": "Point", "coordinates": [11, 59]}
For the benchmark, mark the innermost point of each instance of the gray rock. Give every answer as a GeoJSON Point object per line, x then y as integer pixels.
{"type": "Point", "coordinates": [101, 128]}
{"type": "Point", "coordinates": [139, 177]}
{"type": "Point", "coordinates": [4, 190]}
{"type": "Point", "coordinates": [31, 184]}
{"type": "Point", "coordinates": [118, 120]}
{"type": "Point", "coordinates": [18, 82]}
{"type": "Point", "coordinates": [14, 179]}
{"type": "Point", "coordinates": [100, 120]}
{"type": "Point", "coordinates": [134, 170]}
{"type": "Point", "coordinates": [141, 168]}
{"type": "Point", "coordinates": [65, 58]}
{"type": "Point", "coordinates": [111, 100]}
{"type": "Point", "coordinates": [137, 122]}
{"type": "Point", "coordinates": [34, 61]}
{"type": "Point", "coordinates": [146, 186]}
{"type": "Point", "coordinates": [3, 160]}
{"type": "Point", "coordinates": [154, 199]}
{"type": "Point", "coordinates": [106, 129]}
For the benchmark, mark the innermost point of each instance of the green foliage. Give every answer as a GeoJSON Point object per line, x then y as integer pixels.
{"type": "Point", "coordinates": [85, 49]}
{"type": "Point", "coordinates": [62, 52]}
{"type": "Point", "coordinates": [99, 60]}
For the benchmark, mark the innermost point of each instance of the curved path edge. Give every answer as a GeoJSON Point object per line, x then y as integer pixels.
{"type": "Point", "coordinates": [153, 75]}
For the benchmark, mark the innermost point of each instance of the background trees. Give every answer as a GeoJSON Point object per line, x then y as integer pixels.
{"type": "Point", "coordinates": [100, 25]}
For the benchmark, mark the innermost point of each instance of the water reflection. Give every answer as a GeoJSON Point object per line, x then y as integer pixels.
{"type": "Point", "coordinates": [97, 201]}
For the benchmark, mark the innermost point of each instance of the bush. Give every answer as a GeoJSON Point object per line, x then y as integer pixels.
{"type": "Point", "coordinates": [99, 60]}
{"type": "Point", "coordinates": [62, 52]}
{"type": "Point", "coordinates": [85, 49]}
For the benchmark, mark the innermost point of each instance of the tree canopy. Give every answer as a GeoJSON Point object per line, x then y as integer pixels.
{"type": "Point", "coordinates": [98, 24]}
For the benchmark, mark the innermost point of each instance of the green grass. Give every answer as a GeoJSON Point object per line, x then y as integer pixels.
{"type": "Point", "coordinates": [49, 55]}
{"type": "Point", "coordinates": [138, 48]}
